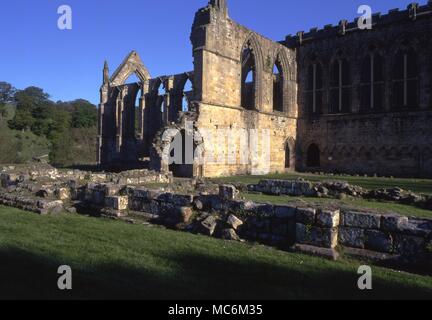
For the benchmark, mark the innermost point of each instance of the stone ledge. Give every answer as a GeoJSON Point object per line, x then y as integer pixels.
{"type": "Point", "coordinates": [331, 254]}
{"type": "Point", "coordinates": [370, 255]}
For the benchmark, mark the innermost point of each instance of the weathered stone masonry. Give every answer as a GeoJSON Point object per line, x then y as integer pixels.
{"type": "Point", "coordinates": [339, 99]}
{"type": "Point", "coordinates": [309, 229]}
{"type": "Point", "coordinates": [374, 117]}
{"type": "Point", "coordinates": [241, 80]}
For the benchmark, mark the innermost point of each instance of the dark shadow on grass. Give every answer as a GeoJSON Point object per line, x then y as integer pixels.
{"type": "Point", "coordinates": [24, 275]}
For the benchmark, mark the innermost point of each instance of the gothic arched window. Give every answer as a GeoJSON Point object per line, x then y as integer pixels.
{"type": "Point", "coordinates": [405, 79]}
{"type": "Point", "coordinates": [278, 87]}
{"type": "Point", "coordinates": [372, 82]}
{"type": "Point", "coordinates": [340, 86]}
{"type": "Point", "coordinates": [248, 79]}
{"type": "Point", "coordinates": [314, 88]}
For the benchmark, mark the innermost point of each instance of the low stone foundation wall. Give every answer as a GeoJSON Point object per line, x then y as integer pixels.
{"type": "Point", "coordinates": [338, 189]}
{"type": "Point", "coordinates": [309, 229]}
{"type": "Point", "coordinates": [32, 205]}
{"type": "Point", "coordinates": [315, 230]}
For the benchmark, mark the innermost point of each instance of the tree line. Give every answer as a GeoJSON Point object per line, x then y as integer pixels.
{"type": "Point", "coordinates": [58, 121]}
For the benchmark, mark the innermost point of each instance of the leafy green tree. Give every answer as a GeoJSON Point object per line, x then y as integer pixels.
{"type": "Point", "coordinates": [7, 92]}
{"type": "Point", "coordinates": [23, 120]}
{"type": "Point", "coordinates": [61, 152]}
{"type": "Point", "coordinates": [84, 114]}
{"type": "Point", "coordinates": [31, 96]}
{"type": "Point", "coordinates": [70, 127]}
{"type": "Point", "coordinates": [29, 101]}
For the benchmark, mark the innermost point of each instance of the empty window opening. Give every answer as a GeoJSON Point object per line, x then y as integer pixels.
{"type": "Point", "coordinates": [138, 115]}
{"type": "Point", "coordinates": [187, 96]}
{"type": "Point", "coordinates": [278, 81]}
{"type": "Point", "coordinates": [248, 80]}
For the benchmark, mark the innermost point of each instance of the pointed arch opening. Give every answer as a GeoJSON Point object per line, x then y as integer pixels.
{"type": "Point", "coordinates": [187, 95]}
{"type": "Point", "coordinates": [372, 82]}
{"type": "Point", "coordinates": [249, 78]}
{"type": "Point", "coordinates": [139, 114]}
{"type": "Point", "coordinates": [340, 85]}
{"type": "Point", "coordinates": [405, 79]}
{"type": "Point", "coordinates": [314, 88]}
{"type": "Point", "coordinates": [278, 86]}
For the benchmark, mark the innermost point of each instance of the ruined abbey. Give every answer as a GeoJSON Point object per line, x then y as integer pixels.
{"type": "Point", "coordinates": [337, 99]}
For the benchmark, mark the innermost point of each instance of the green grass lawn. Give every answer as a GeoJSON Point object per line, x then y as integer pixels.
{"type": "Point", "coordinates": [112, 259]}
{"type": "Point", "coordinates": [355, 204]}
{"type": "Point", "coordinates": [415, 185]}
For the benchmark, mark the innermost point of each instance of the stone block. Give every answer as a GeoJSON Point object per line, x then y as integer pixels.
{"type": "Point", "coordinates": [230, 234]}
{"type": "Point", "coordinates": [112, 190]}
{"type": "Point", "coordinates": [361, 220]}
{"type": "Point", "coordinates": [49, 204]}
{"type": "Point", "coordinates": [185, 214]}
{"type": "Point", "coordinates": [120, 203]}
{"type": "Point", "coordinates": [305, 215]}
{"type": "Point", "coordinates": [393, 222]}
{"type": "Point", "coordinates": [280, 227]}
{"type": "Point", "coordinates": [352, 237]}
{"type": "Point", "coordinates": [331, 254]}
{"type": "Point", "coordinates": [328, 218]}
{"type": "Point", "coordinates": [284, 212]}
{"type": "Point", "coordinates": [155, 207]}
{"type": "Point", "coordinates": [208, 225]}
{"type": "Point", "coordinates": [234, 222]}
{"type": "Point", "coordinates": [378, 241]}
{"type": "Point", "coordinates": [417, 227]}
{"type": "Point", "coordinates": [228, 192]}
{"type": "Point", "coordinates": [409, 245]}
{"type": "Point", "coordinates": [62, 193]}
{"type": "Point", "coordinates": [320, 237]}
{"type": "Point", "coordinates": [264, 210]}
{"type": "Point", "coordinates": [182, 200]}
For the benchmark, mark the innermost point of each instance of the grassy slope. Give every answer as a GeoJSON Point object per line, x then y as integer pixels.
{"type": "Point", "coordinates": [115, 260]}
{"type": "Point", "coordinates": [17, 146]}
{"type": "Point", "coordinates": [416, 185]}
{"type": "Point", "coordinates": [359, 204]}
{"type": "Point", "coordinates": [20, 147]}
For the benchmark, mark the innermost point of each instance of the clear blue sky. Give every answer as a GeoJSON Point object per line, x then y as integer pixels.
{"type": "Point", "coordinates": [68, 64]}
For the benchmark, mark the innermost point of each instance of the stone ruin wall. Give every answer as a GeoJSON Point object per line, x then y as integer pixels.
{"type": "Point", "coordinates": [385, 141]}
{"type": "Point", "coordinates": [218, 43]}
{"type": "Point", "coordinates": [390, 141]}
{"type": "Point", "coordinates": [320, 231]}
{"type": "Point", "coordinates": [127, 131]}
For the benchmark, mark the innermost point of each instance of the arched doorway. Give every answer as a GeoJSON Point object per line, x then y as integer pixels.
{"type": "Point", "coordinates": [313, 156]}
